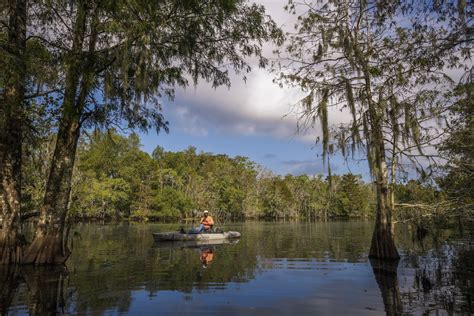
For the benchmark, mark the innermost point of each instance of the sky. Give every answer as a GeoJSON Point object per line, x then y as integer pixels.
{"type": "Point", "coordinates": [256, 119]}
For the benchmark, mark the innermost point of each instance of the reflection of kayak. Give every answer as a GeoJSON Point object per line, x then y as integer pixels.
{"type": "Point", "coordinates": [194, 243]}
{"type": "Point", "coordinates": [176, 236]}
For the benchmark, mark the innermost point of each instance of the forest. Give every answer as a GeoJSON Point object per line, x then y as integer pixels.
{"type": "Point", "coordinates": [114, 179]}
{"type": "Point", "coordinates": [75, 73]}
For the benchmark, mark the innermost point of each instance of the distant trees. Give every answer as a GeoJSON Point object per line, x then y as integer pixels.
{"type": "Point", "coordinates": [353, 198]}
{"type": "Point", "coordinates": [388, 76]}
{"type": "Point", "coordinates": [115, 179]}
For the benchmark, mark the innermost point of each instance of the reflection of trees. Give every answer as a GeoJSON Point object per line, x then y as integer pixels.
{"type": "Point", "coordinates": [386, 276]}
{"type": "Point", "coordinates": [463, 277]}
{"type": "Point", "coordinates": [46, 286]}
{"type": "Point", "coordinates": [443, 273]}
{"type": "Point", "coordinates": [115, 266]}
{"type": "Point", "coordinates": [9, 281]}
{"type": "Point", "coordinates": [44, 291]}
{"type": "Point", "coordinates": [339, 241]}
{"type": "Point", "coordinates": [117, 260]}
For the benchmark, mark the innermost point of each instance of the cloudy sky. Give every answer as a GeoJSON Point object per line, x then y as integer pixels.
{"type": "Point", "coordinates": [256, 119]}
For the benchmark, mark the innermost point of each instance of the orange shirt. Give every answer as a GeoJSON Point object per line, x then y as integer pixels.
{"type": "Point", "coordinates": [207, 222]}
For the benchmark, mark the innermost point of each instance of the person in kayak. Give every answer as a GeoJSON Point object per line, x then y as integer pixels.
{"type": "Point", "coordinates": [205, 225]}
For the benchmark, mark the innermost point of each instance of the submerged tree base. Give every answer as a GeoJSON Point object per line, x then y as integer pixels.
{"type": "Point", "coordinates": [47, 249]}
{"type": "Point", "coordinates": [383, 244]}
{"type": "Point", "coordinates": [9, 281]}
{"type": "Point", "coordinates": [12, 245]}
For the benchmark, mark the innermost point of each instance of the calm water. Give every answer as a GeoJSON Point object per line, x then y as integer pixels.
{"type": "Point", "coordinates": [276, 268]}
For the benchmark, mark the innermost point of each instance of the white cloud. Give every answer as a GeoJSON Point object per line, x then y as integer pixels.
{"type": "Point", "coordinates": [255, 107]}
{"type": "Point", "coordinates": [309, 167]}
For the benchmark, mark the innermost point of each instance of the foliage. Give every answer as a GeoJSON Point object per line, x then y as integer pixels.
{"type": "Point", "coordinates": [414, 191]}
{"type": "Point", "coordinates": [458, 148]}
{"type": "Point", "coordinates": [353, 197]}
{"type": "Point", "coordinates": [114, 178]}
{"type": "Point", "coordinates": [126, 56]}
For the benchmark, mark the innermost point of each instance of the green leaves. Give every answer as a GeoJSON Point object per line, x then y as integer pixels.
{"type": "Point", "coordinates": [458, 149]}
{"type": "Point", "coordinates": [115, 179]}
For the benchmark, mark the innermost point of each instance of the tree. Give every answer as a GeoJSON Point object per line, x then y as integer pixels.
{"type": "Point", "coordinates": [458, 148]}
{"type": "Point", "coordinates": [352, 196]}
{"type": "Point", "coordinates": [118, 59]}
{"type": "Point", "coordinates": [355, 56]}
{"type": "Point", "coordinates": [12, 99]}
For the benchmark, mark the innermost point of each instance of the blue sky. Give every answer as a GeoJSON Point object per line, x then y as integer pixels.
{"type": "Point", "coordinates": [256, 119]}
{"type": "Point", "coordinates": [223, 121]}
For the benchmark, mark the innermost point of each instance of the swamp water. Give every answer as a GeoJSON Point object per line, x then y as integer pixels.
{"type": "Point", "coordinates": [316, 268]}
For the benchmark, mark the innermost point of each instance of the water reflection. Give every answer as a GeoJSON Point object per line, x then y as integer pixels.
{"type": "Point", "coordinates": [206, 256]}
{"type": "Point", "coordinates": [305, 268]}
{"type": "Point", "coordinates": [385, 273]}
{"type": "Point", "coordinates": [206, 249]}
{"type": "Point", "coordinates": [9, 281]}
{"type": "Point", "coordinates": [41, 290]}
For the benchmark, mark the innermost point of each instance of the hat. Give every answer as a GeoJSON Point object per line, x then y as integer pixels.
{"type": "Point", "coordinates": [206, 211]}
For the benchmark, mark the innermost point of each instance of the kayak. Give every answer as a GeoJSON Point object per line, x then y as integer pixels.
{"type": "Point", "coordinates": [176, 236]}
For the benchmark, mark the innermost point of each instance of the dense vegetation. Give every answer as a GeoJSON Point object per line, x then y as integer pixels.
{"type": "Point", "coordinates": [115, 179]}
{"type": "Point", "coordinates": [458, 148]}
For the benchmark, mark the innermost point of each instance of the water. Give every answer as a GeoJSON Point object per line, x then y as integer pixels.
{"type": "Point", "coordinates": [276, 268]}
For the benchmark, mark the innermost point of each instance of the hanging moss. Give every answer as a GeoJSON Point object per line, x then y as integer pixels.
{"type": "Point", "coordinates": [307, 102]}
{"type": "Point", "coordinates": [368, 143]}
{"type": "Point", "coordinates": [342, 143]}
{"type": "Point", "coordinates": [393, 113]}
{"type": "Point", "coordinates": [350, 101]}
{"type": "Point", "coordinates": [323, 117]}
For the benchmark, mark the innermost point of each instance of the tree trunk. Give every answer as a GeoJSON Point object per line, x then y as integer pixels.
{"type": "Point", "coordinates": [392, 188]}
{"type": "Point", "coordinates": [11, 122]}
{"type": "Point", "coordinates": [383, 241]}
{"type": "Point", "coordinates": [393, 175]}
{"type": "Point", "coordinates": [45, 289]}
{"type": "Point", "coordinates": [50, 245]}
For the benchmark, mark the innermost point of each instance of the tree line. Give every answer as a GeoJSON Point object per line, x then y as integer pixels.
{"type": "Point", "coordinates": [115, 180]}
